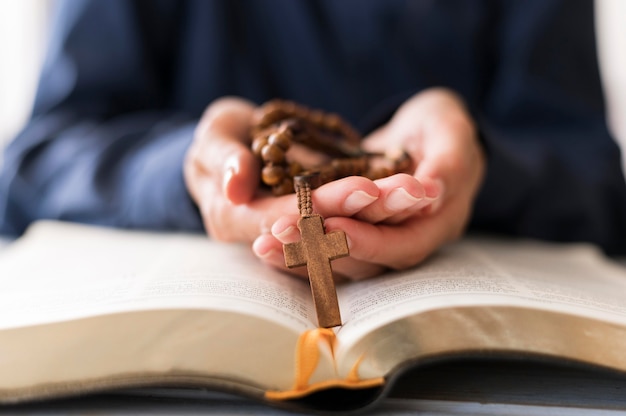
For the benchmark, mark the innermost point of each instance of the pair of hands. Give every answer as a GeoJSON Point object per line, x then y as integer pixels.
{"type": "Point", "coordinates": [394, 222]}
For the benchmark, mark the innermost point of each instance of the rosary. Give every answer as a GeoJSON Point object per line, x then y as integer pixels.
{"type": "Point", "coordinates": [278, 126]}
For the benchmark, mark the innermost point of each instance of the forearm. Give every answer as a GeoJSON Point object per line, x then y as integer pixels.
{"type": "Point", "coordinates": [125, 172]}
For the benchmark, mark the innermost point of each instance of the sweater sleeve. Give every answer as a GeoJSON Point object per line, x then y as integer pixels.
{"type": "Point", "coordinates": [101, 145]}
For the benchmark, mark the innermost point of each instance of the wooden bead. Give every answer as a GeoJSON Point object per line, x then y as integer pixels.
{"type": "Point", "coordinates": [269, 115]}
{"type": "Point", "coordinates": [289, 107]}
{"type": "Point", "coordinates": [317, 118]}
{"type": "Point", "coordinates": [281, 138]}
{"type": "Point", "coordinates": [378, 173]}
{"type": "Point", "coordinates": [272, 174]}
{"type": "Point", "coordinates": [284, 188]}
{"type": "Point", "coordinates": [295, 168]}
{"type": "Point", "coordinates": [278, 124]}
{"type": "Point", "coordinates": [333, 122]}
{"type": "Point", "coordinates": [272, 154]}
{"type": "Point", "coordinates": [327, 174]}
{"type": "Point", "coordinates": [301, 112]}
{"type": "Point", "coordinates": [403, 163]}
{"type": "Point", "coordinates": [257, 145]}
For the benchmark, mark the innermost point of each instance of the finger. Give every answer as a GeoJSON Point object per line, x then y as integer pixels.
{"type": "Point", "coordinates": [221, 148]}
{"type": "Point", "coordinates": [434, 194]}
{"type": "Point", "coordinates": [451, 154]}
{"type": "Point", "coordinates": [285, 229]}
{"type": "Point", "coordinates": [344, 197]}
{"type": "Point", "coordinates": [338, 198]}
{"type": "Point", "coordinates": [400, 195]}
{"type": "Point", "coordinates": [269, 250]}
{"type": "Point", "coordinates": [397, 246]}
{"type": "Point", "coordinates": [244, 222]}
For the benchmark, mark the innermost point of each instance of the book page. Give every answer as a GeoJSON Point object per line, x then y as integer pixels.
{"type": "Point", "coordinates": [61, 271]}
{"type": "Point", "coordinates": [573, 279]}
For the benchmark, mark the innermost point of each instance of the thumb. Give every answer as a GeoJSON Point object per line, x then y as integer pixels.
{"type": "Point", "coordinates": [222, 148]}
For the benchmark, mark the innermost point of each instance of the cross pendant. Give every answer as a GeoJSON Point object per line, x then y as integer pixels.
{"type": "Point", "coordinates": [316, 250]}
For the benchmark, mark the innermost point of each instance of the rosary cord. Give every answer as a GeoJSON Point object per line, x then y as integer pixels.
{"type": "Point", "coordinates": [305, 204]}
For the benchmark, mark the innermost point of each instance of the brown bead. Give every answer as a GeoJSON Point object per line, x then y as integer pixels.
{"type": "Point", "coordinates": [301, 112]}
{"type": "Point", "coordinates": [289, 107]}
{"type": "Point", "coordinates": [333, 122]}
{"type": "Point", "coordinates": [349, 167]}
{"type": "Point", "coordinates": [272, 174]}
{"type": "Point", "coordinates": [403, 163]}
{"type": "Point", "coordinates": [295, 169]}
{"type": "Point", "coordinates": [284, 188]}
{"type": "Point", "coordinates": [378, 173]}
{"type": "Point", "coordinates": [272, 154]}
{"type": "Point", "coordinates": [281, 138]}
{"type": "Point", "coordinates": [317, 117]}
{"type": "Point", "coordinates": [327, 174]}
{"type": "Point", "coordinates": [258, 143]}
{"type": "Point", "coordinates": [278, 123]}
{"type": "Point", "coordinates": [271, 116]}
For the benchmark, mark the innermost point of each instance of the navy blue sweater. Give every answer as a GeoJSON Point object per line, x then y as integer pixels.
{"type": "Point", "coordinates": [125, 81]}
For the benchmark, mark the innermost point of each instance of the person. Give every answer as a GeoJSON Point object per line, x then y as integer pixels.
{"type": "Point", "coordinates": [143, 108]}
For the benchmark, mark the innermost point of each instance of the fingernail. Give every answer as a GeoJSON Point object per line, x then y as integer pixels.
{"type": "Point", "coordinates": [399, 199]}
{"type": "Point", "coordinates": [358, 200]}
{"type": "Point", "coordinates": [349, 241]}
{"type": "Point", "coordinates": [281, 235]}
{"type": "Point", "coordinates": [267, 254]}
{"type": "Point", "coordinates": [228, 176]}
{"type": "Point", "coordinates": [232, 167]}
{"type": "Point", "coordinates": [257, 247]}
{"type": "Point", "coordinates": [263, 250]}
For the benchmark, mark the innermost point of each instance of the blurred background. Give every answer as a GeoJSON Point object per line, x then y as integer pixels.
{"type": "Point", "coordinates": [23, 26]}
{"type": "Point", "coordinates": [25, 23]}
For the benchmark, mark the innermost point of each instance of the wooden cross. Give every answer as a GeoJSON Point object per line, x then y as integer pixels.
{"type": "Point", "coordinates": [316, 250]}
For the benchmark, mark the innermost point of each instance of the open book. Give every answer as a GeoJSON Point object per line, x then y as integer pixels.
{"type": "Point", "coordinates": [86, 309]}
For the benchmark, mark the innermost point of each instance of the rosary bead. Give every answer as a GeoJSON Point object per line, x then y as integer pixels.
{"type": "Point", "coordinates": [281, 138]}
{"type": "Point", "coordinates": [278, 124]}
{"type": "Point", "coordinates": [258, 143]}
{"type": "Point", "coordinates": [273, 174]}
{"type": "Point", "coordinates": [327, 174]}
{"type": "Point", "coordinates": [289, 107]}
{"type": "Point", "coordinates": [379, 172]}
{"type": "Point", "coordinates": [272, 154]}
{"type": "Point", "coordinates": [317, 118]}
{"type": "Point", "coordinates": [333, 122]}
{"type": "Point", "coordinates": [295, 169]}
{"type": "Point", "coordinates": [283, 188]}
{"type": "Point", "coordinates": [300, 112]}
{"type": "Point", "coordinates": [403, 162]}
{"type": "Point", "coordinates": [270, 116]}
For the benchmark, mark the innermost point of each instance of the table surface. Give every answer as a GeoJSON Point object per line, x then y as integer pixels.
{"type": "Point", "coordinates": [229, 406]}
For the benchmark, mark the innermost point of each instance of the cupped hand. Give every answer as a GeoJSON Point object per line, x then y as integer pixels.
{"type": "Point", "coordinates": [411, 215]}
{"type": "Point", "coordinates": [222, 177]}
